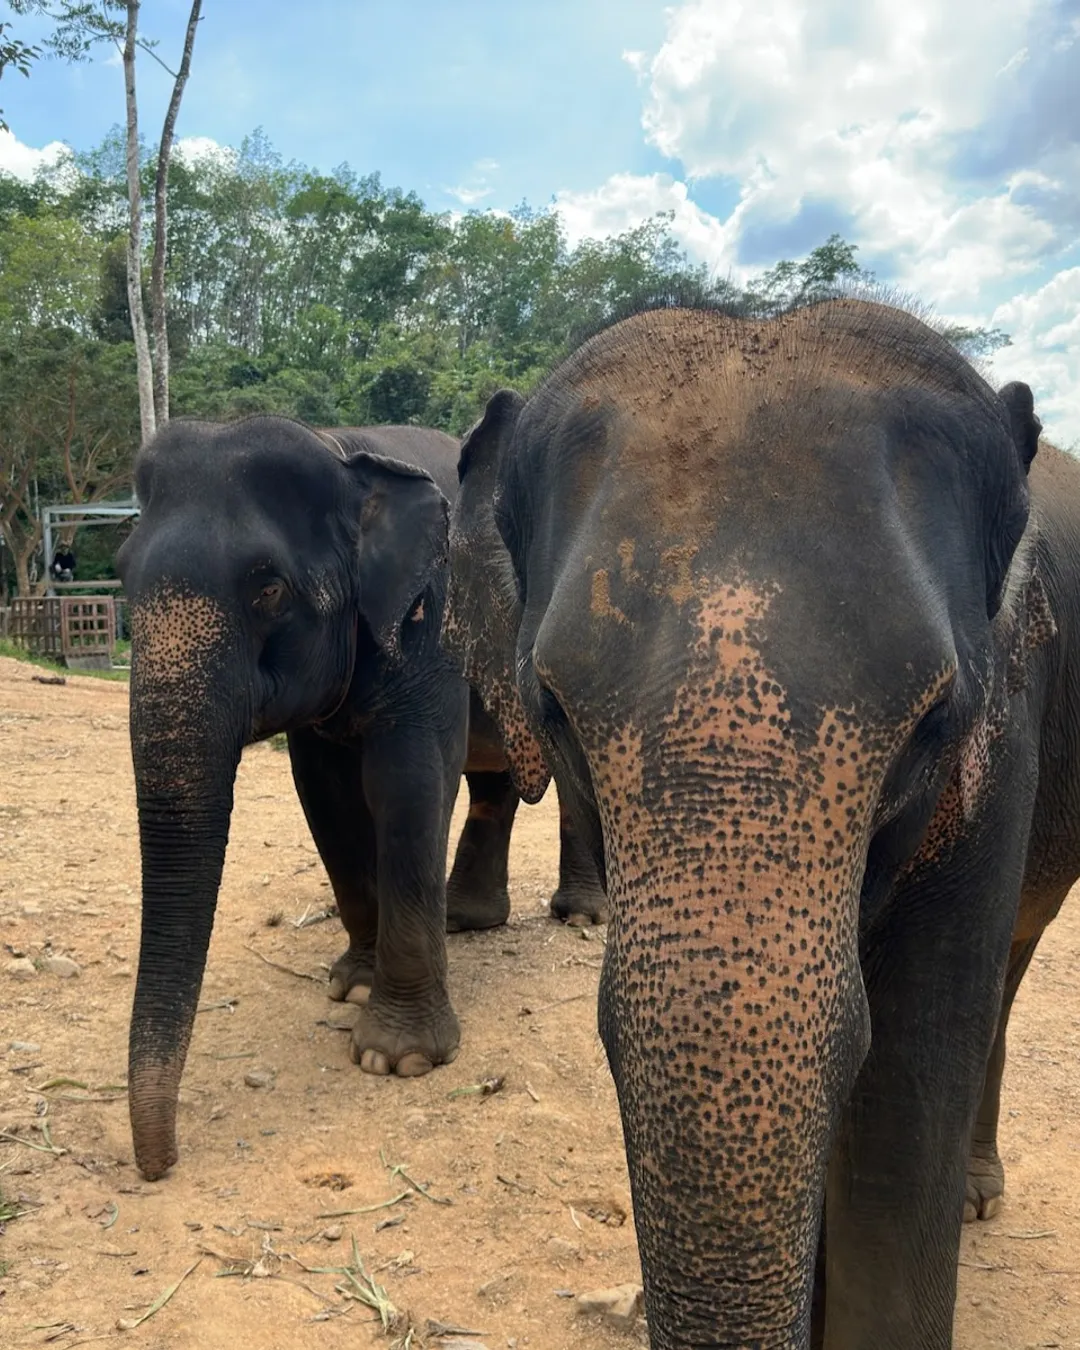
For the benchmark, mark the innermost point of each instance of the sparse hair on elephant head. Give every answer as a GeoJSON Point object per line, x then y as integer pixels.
{"type": "Point", "coordinates": [398, 503]}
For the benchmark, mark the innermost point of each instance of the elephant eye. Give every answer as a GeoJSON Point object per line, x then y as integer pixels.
{"type": "Point", "coordinates": [270, 597]}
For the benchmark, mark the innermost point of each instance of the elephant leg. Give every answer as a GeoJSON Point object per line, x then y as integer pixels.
{"type": "Point", "coordinates": [477, 894]}
{"type": "Point", "coordinates": [408, 1026]}
{"type": "Point", "coordinates": [985, 1173]}
{"type": "Point", "coordinates": [329, 783]}
{"type": "Point", "coordinates": [896, 1182]}
{"type": "Point", "coordinates": [580, 899]}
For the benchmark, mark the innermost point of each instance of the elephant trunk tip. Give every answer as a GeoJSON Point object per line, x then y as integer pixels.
{"type": "Point", "coordinates": [153, 1121]}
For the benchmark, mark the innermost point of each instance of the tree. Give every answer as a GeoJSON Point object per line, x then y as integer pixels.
{"type": "Point", "coordinates": [80, 26]}
{"type": "Point", "coordinates": [14, 55]}
{"type": "Point", "coordinates": [820, 273]}
{"type": "Point", "coordinates": [67, 430]}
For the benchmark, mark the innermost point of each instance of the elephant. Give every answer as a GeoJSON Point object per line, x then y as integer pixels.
{"type": "Point", "coordinates": [780, 605]}
{"type": "Point", "coordinates": [282, 579]}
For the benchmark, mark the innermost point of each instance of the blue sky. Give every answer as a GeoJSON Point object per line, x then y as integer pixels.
{"type": "Point", "coordinates": [943, 140]}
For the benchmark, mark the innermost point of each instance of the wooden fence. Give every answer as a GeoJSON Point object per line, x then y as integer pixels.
{"type": "Point", "coordinates": [79, 631]}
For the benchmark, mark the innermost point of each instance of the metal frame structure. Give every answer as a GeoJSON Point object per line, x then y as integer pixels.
{"type": "Point", "coordinates": [95, 513]}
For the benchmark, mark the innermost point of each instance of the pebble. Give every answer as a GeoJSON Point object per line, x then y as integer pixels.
{"type": "Point", "coordinates": [24, 1047]}
{"type": "Point", "coordinates": [63, 966]}
{"type": "Point", "coordinates": [560, 1250]}
{"type": "Point", "coordinates": [259, 1078]}
{"type": "Point", "coordinates": [29, 910]}
{"type": "Point", "coordinates": [619, 1305]}
{"type": "Point", "coordinates": [22, 968]}
{"type": "Point", "coordinates": [333, 1233]}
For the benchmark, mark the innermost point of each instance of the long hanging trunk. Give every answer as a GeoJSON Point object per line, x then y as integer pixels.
{"type": "Point", "coordinates": [186, 737]}
{"type": "Point", "coordinates": [161, 185]}
{"type": "Point", "coordinates": [134, 245]}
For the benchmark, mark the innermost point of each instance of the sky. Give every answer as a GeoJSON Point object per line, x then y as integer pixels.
{"type": "Point", "coordinates": [943, 140]}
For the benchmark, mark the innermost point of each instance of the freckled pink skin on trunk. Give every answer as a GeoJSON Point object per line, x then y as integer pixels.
{"type": "Point", "coordinates": [732, 1000]}
{"type": "Point", "coordinates": [186, 742]}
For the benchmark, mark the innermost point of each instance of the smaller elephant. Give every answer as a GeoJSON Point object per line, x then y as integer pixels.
{"type": "Point", "coordinates": [283, 579]}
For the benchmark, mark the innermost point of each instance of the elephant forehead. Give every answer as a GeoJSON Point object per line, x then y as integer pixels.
{"type": "Point", "coordinates": [171, 631]}
{"type": "Point", "coordinates": [727, 757]}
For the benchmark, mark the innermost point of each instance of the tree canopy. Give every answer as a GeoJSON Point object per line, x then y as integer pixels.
{"type": "Point", "coordinates": [328, 296]}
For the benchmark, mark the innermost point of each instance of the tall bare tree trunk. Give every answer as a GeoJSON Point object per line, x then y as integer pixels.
{"type": "Point", "coordinates": [134, 249]}
{"type": "Point", "coordinates": [157, 274]}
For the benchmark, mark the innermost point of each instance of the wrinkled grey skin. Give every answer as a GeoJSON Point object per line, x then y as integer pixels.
{"type": "Point", "coordinates": [282, 579]}
{"type": "Point", "coordinates": [773, 603]}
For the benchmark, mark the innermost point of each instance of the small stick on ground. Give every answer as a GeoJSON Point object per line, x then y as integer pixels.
{"type": "Point", "coordinates": [535, 1012]}
{"type": "Point", "coordinates": [130, 1323]}
{"type": "Point", "coordinates": [1027, 1237]}
{"type": "Point", "coordinates": [47, 1147]}
{"type": "Point", "coordinates": [225, 1004]}
{"type": "Point", "coordinates": [485, 1088]}
{"type": "Point", "coordinates": [285, 970]}
{"type": "Point", "coordinates": [319, 916]}
{"type": "Point", "coordinates": [398, 1170]}
{"type": "Point", "coordinates": [364, 1209]}
{"type": "Point", "coordinates": [515, 1185]}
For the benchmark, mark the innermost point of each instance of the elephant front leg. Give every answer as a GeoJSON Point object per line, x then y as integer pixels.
{"type": "Point", "coordinates": [329, 783]}
{"type": "Point", "coordinates": [476, 894]}
{"type": "Point", "coordinates": [408, 1026]}
{"type": "Point", "coordinates": [985, 1173]}
{"type": "Point", "coordinates": [897, 1176]}
{"type": "Point", "coordinates": [581, 899]}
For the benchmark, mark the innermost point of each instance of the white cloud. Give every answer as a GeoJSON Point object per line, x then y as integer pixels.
{"type": "Point", "coordinates": [469, 196]}
{"type": "Point", "coordinates": [23, 160]}
{"type": "Point", "coordinates": [194, 149]}
{"type": "Point", "coordinates": [942, 139]}
{"type": "Point", "coordinates": [1045, 329]}
{"type": "Point", "coordinates": [627, 199]}
{"type": "Point", "coordinates": [476, 185]}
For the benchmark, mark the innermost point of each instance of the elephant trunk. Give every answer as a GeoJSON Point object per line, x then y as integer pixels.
{"type": "Point", "coordinates": [187, 734]}
{"type": "Point", "coordinates": [733, 1013]}
{"type": "Point", "coordinates": [731, 1004]}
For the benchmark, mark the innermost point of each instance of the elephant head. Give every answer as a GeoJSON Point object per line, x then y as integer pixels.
{"type": "Point", "coordinates": [766, 577]}
{"type": "Point", "coordinates": [265, 571]}
{"type": "Point", "coordinates": [484, 601]}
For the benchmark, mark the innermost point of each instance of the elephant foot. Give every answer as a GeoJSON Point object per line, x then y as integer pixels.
{"type": "Point", "coordinates": [406, 1044]}
{"type": "Point", "coordinates": [351, 975]}
{"type": "Point", "coordinates": [985, 1192]}
{"type": "Point", "coordinates": [471, 907]}
{"type": "Point", "coordinates": [579, 906]}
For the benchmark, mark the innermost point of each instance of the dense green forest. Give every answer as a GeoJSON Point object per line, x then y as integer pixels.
{"type": "Point", "coordinates": [330, 297]}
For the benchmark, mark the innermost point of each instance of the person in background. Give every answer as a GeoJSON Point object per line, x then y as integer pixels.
{"type": "Point", "coordinates": [63, 564]}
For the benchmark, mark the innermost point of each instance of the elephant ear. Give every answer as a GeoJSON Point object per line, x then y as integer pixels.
{"type": "Point", "coordinates": [1033, 624]}
{"type": "Point", "coordinates": [483, 443]}
{"type": "Point", "coordinates": [490, 630]}
{"type": "Point", "coordinates": [1026, 428]}
{"type": "Point", "coordinates": [402, 541]}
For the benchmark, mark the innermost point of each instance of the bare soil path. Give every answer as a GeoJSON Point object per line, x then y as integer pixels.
{"type": "Point", "coordinates": [526, 1197]}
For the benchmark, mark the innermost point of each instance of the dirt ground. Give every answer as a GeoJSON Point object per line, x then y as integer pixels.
{"type": "Point", "coordinates": [525, 1199]}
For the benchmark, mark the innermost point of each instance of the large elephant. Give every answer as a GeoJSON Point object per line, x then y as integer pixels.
{"type": "Point", "coordinates": [282, 579]}
{"type": "Point", "coordinates": [771, 600]}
